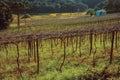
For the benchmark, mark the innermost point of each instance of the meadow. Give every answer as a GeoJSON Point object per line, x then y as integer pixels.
{"type": "Point", "coordinates": [61, 47]}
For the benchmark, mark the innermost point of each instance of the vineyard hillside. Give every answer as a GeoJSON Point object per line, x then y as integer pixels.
{"type": "Point", "coordinates": [61, 46]}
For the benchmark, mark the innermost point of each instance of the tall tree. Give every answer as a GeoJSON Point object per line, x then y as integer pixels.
{"type": "Point", "coordinates": [18, 8]}
{"type": "Point", "coordinates": [5, 15]}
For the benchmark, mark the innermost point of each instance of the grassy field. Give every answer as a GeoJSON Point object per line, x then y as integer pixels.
{"type": "Point", "coordinates": [37, 24]}
{"type": "Point", "coordinates": [78, 65]}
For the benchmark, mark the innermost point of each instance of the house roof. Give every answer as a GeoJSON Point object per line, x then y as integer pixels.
{"type": "Point", "coordinates": [26, 16]}
{"type": "Point", "coordinates": [101, 10]}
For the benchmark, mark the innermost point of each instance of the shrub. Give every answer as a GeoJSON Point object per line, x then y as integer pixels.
{"type": "Point", "coordinates": [91, 12]}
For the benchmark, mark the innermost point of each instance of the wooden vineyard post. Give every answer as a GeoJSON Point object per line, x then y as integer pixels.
{"type": "Point", "coordinates": [80, 41]}
{"type": "Point", "coordinates": [6, 51]}
{"type": "Point", "coordinates": [29, 50]}
{"type": "Point", "coordinates": [37, 55]}
{"type": "Point", "coordinates": [61, 42]}
{"type": "Point", "coordinates": [72, 43]}
{"type": "Point", "coordinates": [100, 36]}
{"type": "Point", "coordinates": [91, 36]}
{"type": "Point", "coordinates": [18, 55]}
{"type": "Point", "coordinates": [51, 46]}
{"type": "Point", "coordinates": [67, 41]}
{"type": "Point", "coordinates": [34, 43]}
{"type": "Point", "coordinates": [112, 46]}
{"type": "Point", "coordinates": [116, 40]}
{"type": "Point", "coordinates": [77, 37]}
{"type": "Point", "coordinates": [94, 60]}
{"type": "Point", "coordinates": [104, 42]}
{"type": "Point", "coordinates": [41, 45]}
{"type": "Point", "coordinates": [64, 57]}
{"type": "Point", "coordinates": [18, 62]}
{"type": "Point", "coordinates": [76, 41]}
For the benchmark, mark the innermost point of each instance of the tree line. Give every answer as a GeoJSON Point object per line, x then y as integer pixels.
{"type": "Point", "coordinates": [48, 6]}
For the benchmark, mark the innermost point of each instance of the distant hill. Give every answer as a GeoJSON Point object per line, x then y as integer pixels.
{"type": "Point", "coordinates": [38, 6]}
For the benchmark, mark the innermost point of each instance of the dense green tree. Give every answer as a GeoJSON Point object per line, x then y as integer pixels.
{"type": "Point", "coordinates": [5, 15]}
{"type": "Point", "coordinates": [90, 12]}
